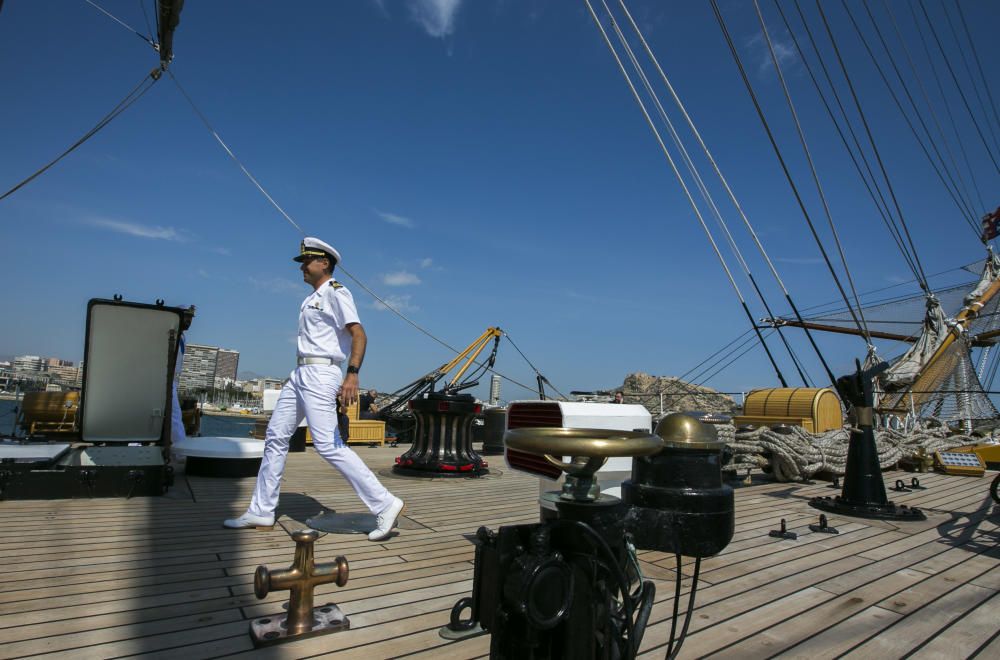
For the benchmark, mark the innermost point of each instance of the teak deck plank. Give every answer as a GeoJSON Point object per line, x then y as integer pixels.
{"type": "Point", "coordinates": [158, 578]}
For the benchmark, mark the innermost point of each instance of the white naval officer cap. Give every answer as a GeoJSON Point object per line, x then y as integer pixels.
{"type": "Point", "coordinates": [313, 247]}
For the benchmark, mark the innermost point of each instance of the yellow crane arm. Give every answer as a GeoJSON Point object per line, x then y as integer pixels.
{"type": "Point", "coordinates": [475, 348]}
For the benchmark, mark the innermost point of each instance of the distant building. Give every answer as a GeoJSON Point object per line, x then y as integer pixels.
{"type": "Point", "coordinates": [205, 365]}
{"type": "Point", "coordinates": [198, 372]}
{"type": "Point", "coordinates": [269, 384]}
{"type": "Point", "coordinates": [494, 390]}
{"type": "Point", "coordinates": [258, 385]}
{"type": "Point", "coordinates": [226, 364]}
{"type": "Point", "coordinates": [56, 362]}
{"type": "Point", "coordinates": [64, 375]}
{"type": "Point", "coordinates": [28, 363]}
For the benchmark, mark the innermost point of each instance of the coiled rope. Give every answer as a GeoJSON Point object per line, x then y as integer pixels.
{"type": "Point", "coordinates": [798, 454]}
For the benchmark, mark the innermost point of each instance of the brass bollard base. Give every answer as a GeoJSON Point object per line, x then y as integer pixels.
{"type": "Point", "coordinates": [271, 630]}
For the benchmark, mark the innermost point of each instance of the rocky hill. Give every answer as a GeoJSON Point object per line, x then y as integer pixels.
{"type": "Point", "coordinates": [677, 395]}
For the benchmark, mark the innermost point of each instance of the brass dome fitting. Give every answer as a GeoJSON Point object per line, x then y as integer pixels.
{"type": "Point", "coordinates": [681, 431]}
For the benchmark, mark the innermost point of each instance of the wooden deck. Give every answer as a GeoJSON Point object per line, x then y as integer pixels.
{"type": "Point", "coordinates": [160, 578]}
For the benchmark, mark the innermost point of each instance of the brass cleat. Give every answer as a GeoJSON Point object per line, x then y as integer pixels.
{"type": "Point", "coordinates": [300, 579]}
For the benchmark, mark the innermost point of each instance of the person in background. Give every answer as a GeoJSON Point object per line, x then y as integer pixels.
{"type": "Point", "coordinates": [619, 398]}
{"type": "Point", "coordinates": [366, 405]}
{"type": "Point", "coordinates": [176, 417]}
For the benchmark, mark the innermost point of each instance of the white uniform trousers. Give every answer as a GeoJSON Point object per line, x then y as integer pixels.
{"type": "Point", "coordinates": [311, 392]}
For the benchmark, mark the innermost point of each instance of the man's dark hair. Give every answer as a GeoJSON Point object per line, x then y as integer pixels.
{"type": "Point", "coordinates": [333, 263]}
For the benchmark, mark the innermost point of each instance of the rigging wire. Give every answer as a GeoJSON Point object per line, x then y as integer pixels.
{"type": "Point", "coordinates": [695, 174]}
{"type": "Point", "coordinates": [992, 372]}
{"type": "Point", "coordinates": [979, 64]}
{"type": "Point", "coordinates": [881, 302]}
{"type": "Point", "coordinates": [954, 78]}
{"type": "Point", "coordinates": [940, 87]}
{"type": "Point", "coordinates": [781, 160]}
{"type": "Point", "coordinates": [725, 184]}
{"type": "Point", "coordinates": [137, 93]}
{"type": "Point", "coordinates": [815, 175]}
{"type": "Point", "coordinates": [122, 23]}
{"type": "Point", "coordinates": [534, 368]}
{"type": "Point", "coordinates": [699, 182]}
{"type": "Point", "coordinates": [874, 191]}
{"type": "Point", "coordinates": [964, 205]}
{"type": "Point", "coordinates": [156, 76]}
{"type": "Point", "coordinates": [287, 217]}
{"type": "Point", "coordinates": [892, 286]}
{"type": "Point", "coordinates": [747, 343]}
{"type": "Point", "coordinates": [229, 151]}
{"type": "Point", "coordinates": [955, 193]}
{"type": "Point", "coordinates": [733, 361]}
{"type": "Point", "coordinates": [680, 179]}
{"type": "Point", "coordinates": [968, 71]}
{"type": "Point", "coordinates": [934, 114]}
{"type": "Point", "coordinates": [871, 139]}
{"type": "Point", "coordinates": [149, 28]}
{"type": "Point", "coordinates": [697, 366]}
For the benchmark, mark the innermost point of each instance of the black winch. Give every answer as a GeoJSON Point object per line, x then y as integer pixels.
{"type": "Point", "coordinates": [442, 438]}
{"type": "Point", "coordinates": [571, 587]}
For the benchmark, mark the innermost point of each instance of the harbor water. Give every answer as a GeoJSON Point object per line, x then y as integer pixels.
{"type": "Point", "coordinates": [211, 425]}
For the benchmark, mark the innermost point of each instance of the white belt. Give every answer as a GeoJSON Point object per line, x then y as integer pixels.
{"type": "Point", "coordinates": [315, 360]}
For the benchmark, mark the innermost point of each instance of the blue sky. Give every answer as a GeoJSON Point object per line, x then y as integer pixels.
{"type": "Point", "coordinates": [477, 163]}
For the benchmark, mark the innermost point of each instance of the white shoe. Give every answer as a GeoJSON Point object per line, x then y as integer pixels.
{"type": "Point", "coordinates": [386, 520]}
{"type": "Point", "coordinates": [249, 520]}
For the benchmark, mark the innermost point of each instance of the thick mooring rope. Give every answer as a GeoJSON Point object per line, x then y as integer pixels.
{"type": "Point", "coordinates": [798, 455]}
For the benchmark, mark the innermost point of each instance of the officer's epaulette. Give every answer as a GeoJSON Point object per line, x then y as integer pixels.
{"type": "Point", "coordinates": [336, 285]}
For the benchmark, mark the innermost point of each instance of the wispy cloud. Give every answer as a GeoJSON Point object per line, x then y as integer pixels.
{"type": "Point", "coordinates": [136, 229]}
{"type": "Point", "coordinates": [799, 261]}
{"type": "Point", "coordinates": [426, 262]}
{"type": "Point", "coordinates": [276, 284]}
{"type": "Point", "coordinates": [224, 251]}
{"type": "Point", "coordinates": [394, 219]}
{"type": "Point", "coordinates": [436, 17]}
{"type": "Point", "coordinates": [400, 278]}
{"type": "Point", "coordinates": [399, 303]}
{"type": "Point", "coordinates": [784, 52]}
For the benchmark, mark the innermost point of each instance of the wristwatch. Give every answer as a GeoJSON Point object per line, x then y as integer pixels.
{"type": "Point", "coordinates": [351, 369]}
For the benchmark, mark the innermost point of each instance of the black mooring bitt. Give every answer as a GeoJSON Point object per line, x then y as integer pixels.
{"type": "Point", "coordinates": [864, 493]}
{"type": "Point", "coordinates": [915, 484]}
{"type": "Point", "coordinates": [783, 532]}
{"type": "Point", "coordinates": [823, 527]}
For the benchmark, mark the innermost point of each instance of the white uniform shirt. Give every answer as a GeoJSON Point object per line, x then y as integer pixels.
{"type": "Point", "coordinates": [323, 320]}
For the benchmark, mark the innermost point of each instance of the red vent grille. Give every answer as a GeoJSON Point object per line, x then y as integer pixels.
{"type": "Point", "coordinates": [532, 464]}
{"type": "Point", "coordinates": [533, 415]}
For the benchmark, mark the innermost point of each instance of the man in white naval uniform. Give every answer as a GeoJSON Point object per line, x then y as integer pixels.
{"type": "Point", "coordinates": [329, 333]}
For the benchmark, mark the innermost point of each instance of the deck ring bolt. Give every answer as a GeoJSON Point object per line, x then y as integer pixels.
{"type": "Point", "coordinates": [456, 623]}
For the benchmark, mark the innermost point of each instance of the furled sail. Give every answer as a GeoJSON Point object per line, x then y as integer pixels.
{"type": "Point", "coordinates": [936, 377]}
